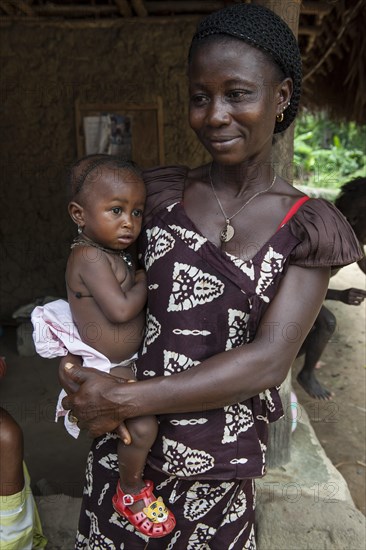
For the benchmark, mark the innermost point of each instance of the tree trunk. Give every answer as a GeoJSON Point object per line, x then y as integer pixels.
{"type": "Point", "coordinates": [279, 445]}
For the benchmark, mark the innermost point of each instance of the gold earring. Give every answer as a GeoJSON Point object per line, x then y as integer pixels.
{"type": "Point", "coordinates": [280, 117]}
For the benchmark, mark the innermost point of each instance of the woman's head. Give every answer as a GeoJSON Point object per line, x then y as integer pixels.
{"type": "Point", "coordinates": [107, 199]}
{"type": "Point", "coordinates": [236, 95]}
{"type": "Point", "coordinates": [262, 29]}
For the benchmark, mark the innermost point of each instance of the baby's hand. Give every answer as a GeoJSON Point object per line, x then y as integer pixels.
{"type": "Point", "coordinates": [353, 296]}
{"type": "Point", "coordinates": [140, 276]}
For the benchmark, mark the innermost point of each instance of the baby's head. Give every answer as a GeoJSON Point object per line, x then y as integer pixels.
{"type": "Point", "coordinates": [107, 197]}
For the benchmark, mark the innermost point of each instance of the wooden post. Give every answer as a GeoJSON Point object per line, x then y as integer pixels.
{"type": "Point", "coordinates": [279, 445]}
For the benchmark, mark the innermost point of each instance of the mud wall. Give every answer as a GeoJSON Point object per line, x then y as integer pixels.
{"type": "Point", "coordinates": [43, 71]}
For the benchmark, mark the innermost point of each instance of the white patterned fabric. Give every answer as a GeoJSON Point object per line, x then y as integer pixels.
{"type": "Point", "coordinates": [210, 514]}
{"type": "Point", "coordinates": [201, 302]}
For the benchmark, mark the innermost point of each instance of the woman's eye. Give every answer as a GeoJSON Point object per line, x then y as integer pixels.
{"type": "Point", "coordinates": [137, 213]}
{"type": "Point", "coordinates": [116, 210]}
{"type": "Point", "coordinates": [199, 99]}
{"type": "Point", "coordinates": [238, 95]}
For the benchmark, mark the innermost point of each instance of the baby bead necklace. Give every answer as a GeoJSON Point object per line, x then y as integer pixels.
{"type": "Point", "coordinates": [126, 257]}
{"type": "Point", "coordinates": [228, 232]}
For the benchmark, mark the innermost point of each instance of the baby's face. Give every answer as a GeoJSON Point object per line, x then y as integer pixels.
{"type": "Point", "coordinates": [114, 207]}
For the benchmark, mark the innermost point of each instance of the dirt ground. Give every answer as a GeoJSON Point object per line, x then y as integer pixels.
{"type": "Point", "coordinates": [340, 423]}
{"type": "Point", "coordinates": [56, 461]}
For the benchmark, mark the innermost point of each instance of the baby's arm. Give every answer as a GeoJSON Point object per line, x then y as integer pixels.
{"type": "Point", "coordinates": [350, 296]}
{"type": "Point", "coordinates": [117, 305]}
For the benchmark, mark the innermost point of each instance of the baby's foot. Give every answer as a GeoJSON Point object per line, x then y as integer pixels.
{"type": "Point", "coordinates": [134, 491]}
{"type": "Point", "coordinates": [144, 511]}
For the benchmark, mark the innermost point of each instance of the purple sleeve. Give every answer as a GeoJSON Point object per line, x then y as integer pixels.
{"type": "Point", "coordinates": [326, 237]}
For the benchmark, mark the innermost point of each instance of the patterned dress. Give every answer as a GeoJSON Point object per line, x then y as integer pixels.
{"type": "Point", "coordinates": [201, 302]}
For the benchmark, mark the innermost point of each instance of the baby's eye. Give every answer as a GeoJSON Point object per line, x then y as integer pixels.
{"type": "Point", "coordinates": [116, 210]}
{"type": "Point", "coordinates": [137, 213]}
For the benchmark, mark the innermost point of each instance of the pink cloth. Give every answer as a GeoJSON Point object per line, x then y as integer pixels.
{"type": "Point", "coordinates": [54, 335]}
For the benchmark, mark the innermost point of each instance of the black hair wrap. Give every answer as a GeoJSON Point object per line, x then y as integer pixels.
{"type": "Point", "coordinates": [262, 28]}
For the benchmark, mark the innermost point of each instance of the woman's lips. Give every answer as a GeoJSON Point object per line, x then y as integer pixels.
{"type": "Point", "coordinates": [223, 142]}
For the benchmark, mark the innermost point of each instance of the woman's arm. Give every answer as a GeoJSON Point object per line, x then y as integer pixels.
{"type": "Point", "coordinates": [226, 378]}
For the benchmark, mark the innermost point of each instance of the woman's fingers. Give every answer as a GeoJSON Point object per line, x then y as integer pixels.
{"type": "Point", "coordinates": [76, 373]}
{"type": "Point", "coordinates": [123, 434]}
{"type": "Point", "coordinates": [66, 382]}
{"type": "Point", "coordinates": [91, 403]}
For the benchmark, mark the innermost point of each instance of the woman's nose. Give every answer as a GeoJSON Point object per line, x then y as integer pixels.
{"type": "Point", "coordinates": [218, 113]}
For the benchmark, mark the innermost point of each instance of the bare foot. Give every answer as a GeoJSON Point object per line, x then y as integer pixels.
{"type": "Point", "coordinates": [312, 386]}
{"type": "Point", "coordinates": [319, 365]}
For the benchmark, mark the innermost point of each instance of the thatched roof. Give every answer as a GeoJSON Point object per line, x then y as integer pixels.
{"type": "Point", "coordinates": [335, 64]}
{"type": "Point", "coordinates": [331, 38]}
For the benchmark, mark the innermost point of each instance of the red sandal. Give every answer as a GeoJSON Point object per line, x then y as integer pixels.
{"type": "Point", "coordinates": [154, 521]}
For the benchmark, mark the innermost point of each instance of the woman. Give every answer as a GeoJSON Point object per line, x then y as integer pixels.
{"type": "Point", "coordinates": [227, 248]}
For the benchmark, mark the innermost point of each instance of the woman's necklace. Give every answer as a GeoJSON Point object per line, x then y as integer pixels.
{"type": "Point", "coordinates": [228, 232]}
{"type": "Point", "coordinates": [126, 257]}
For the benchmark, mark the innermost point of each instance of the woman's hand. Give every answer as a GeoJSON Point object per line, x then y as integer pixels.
{"type": "Point", "coordinates": [66, 382]}
{"type": "Point", "coordinates": [98, 403]}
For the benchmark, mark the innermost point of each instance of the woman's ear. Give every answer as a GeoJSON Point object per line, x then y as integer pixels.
{"type": "Point", "coordinates": [77, 214]}
{"type": "Point", "coordinates": [284, 95]}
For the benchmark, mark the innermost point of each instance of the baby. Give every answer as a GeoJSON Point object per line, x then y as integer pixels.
{"type": "Point", "coordinates": [106, 299]}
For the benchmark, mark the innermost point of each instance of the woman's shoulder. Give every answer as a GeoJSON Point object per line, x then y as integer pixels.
{"type": "Point", "coordinates": [326, 238]}
{"type": "Point", "coordinates": [164, 186]}
{"type": "Point", "coordinates": [161, 178]}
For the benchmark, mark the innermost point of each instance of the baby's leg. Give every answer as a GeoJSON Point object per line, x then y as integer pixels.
{"type": "Point", "coordinates": [11, 455]}
{"type": "Point", "coordinates": [134, 498]}
{"type": "Point", "coordinates": [127, 374]}
{"type": "Point", "coordinates": [132, 457]}
{"type": "Point", "coordinates": [123, 372]}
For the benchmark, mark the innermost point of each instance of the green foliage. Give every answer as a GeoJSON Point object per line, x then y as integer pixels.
{"type": "Point", "coordinates": [328, 154]}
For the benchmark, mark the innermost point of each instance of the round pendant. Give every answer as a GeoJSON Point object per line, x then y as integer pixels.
{"type": "Point", "coordinates": [227, 233]}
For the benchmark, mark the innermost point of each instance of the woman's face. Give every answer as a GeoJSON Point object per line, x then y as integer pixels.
{"type": "Point", "coordinates": [235, 95]}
